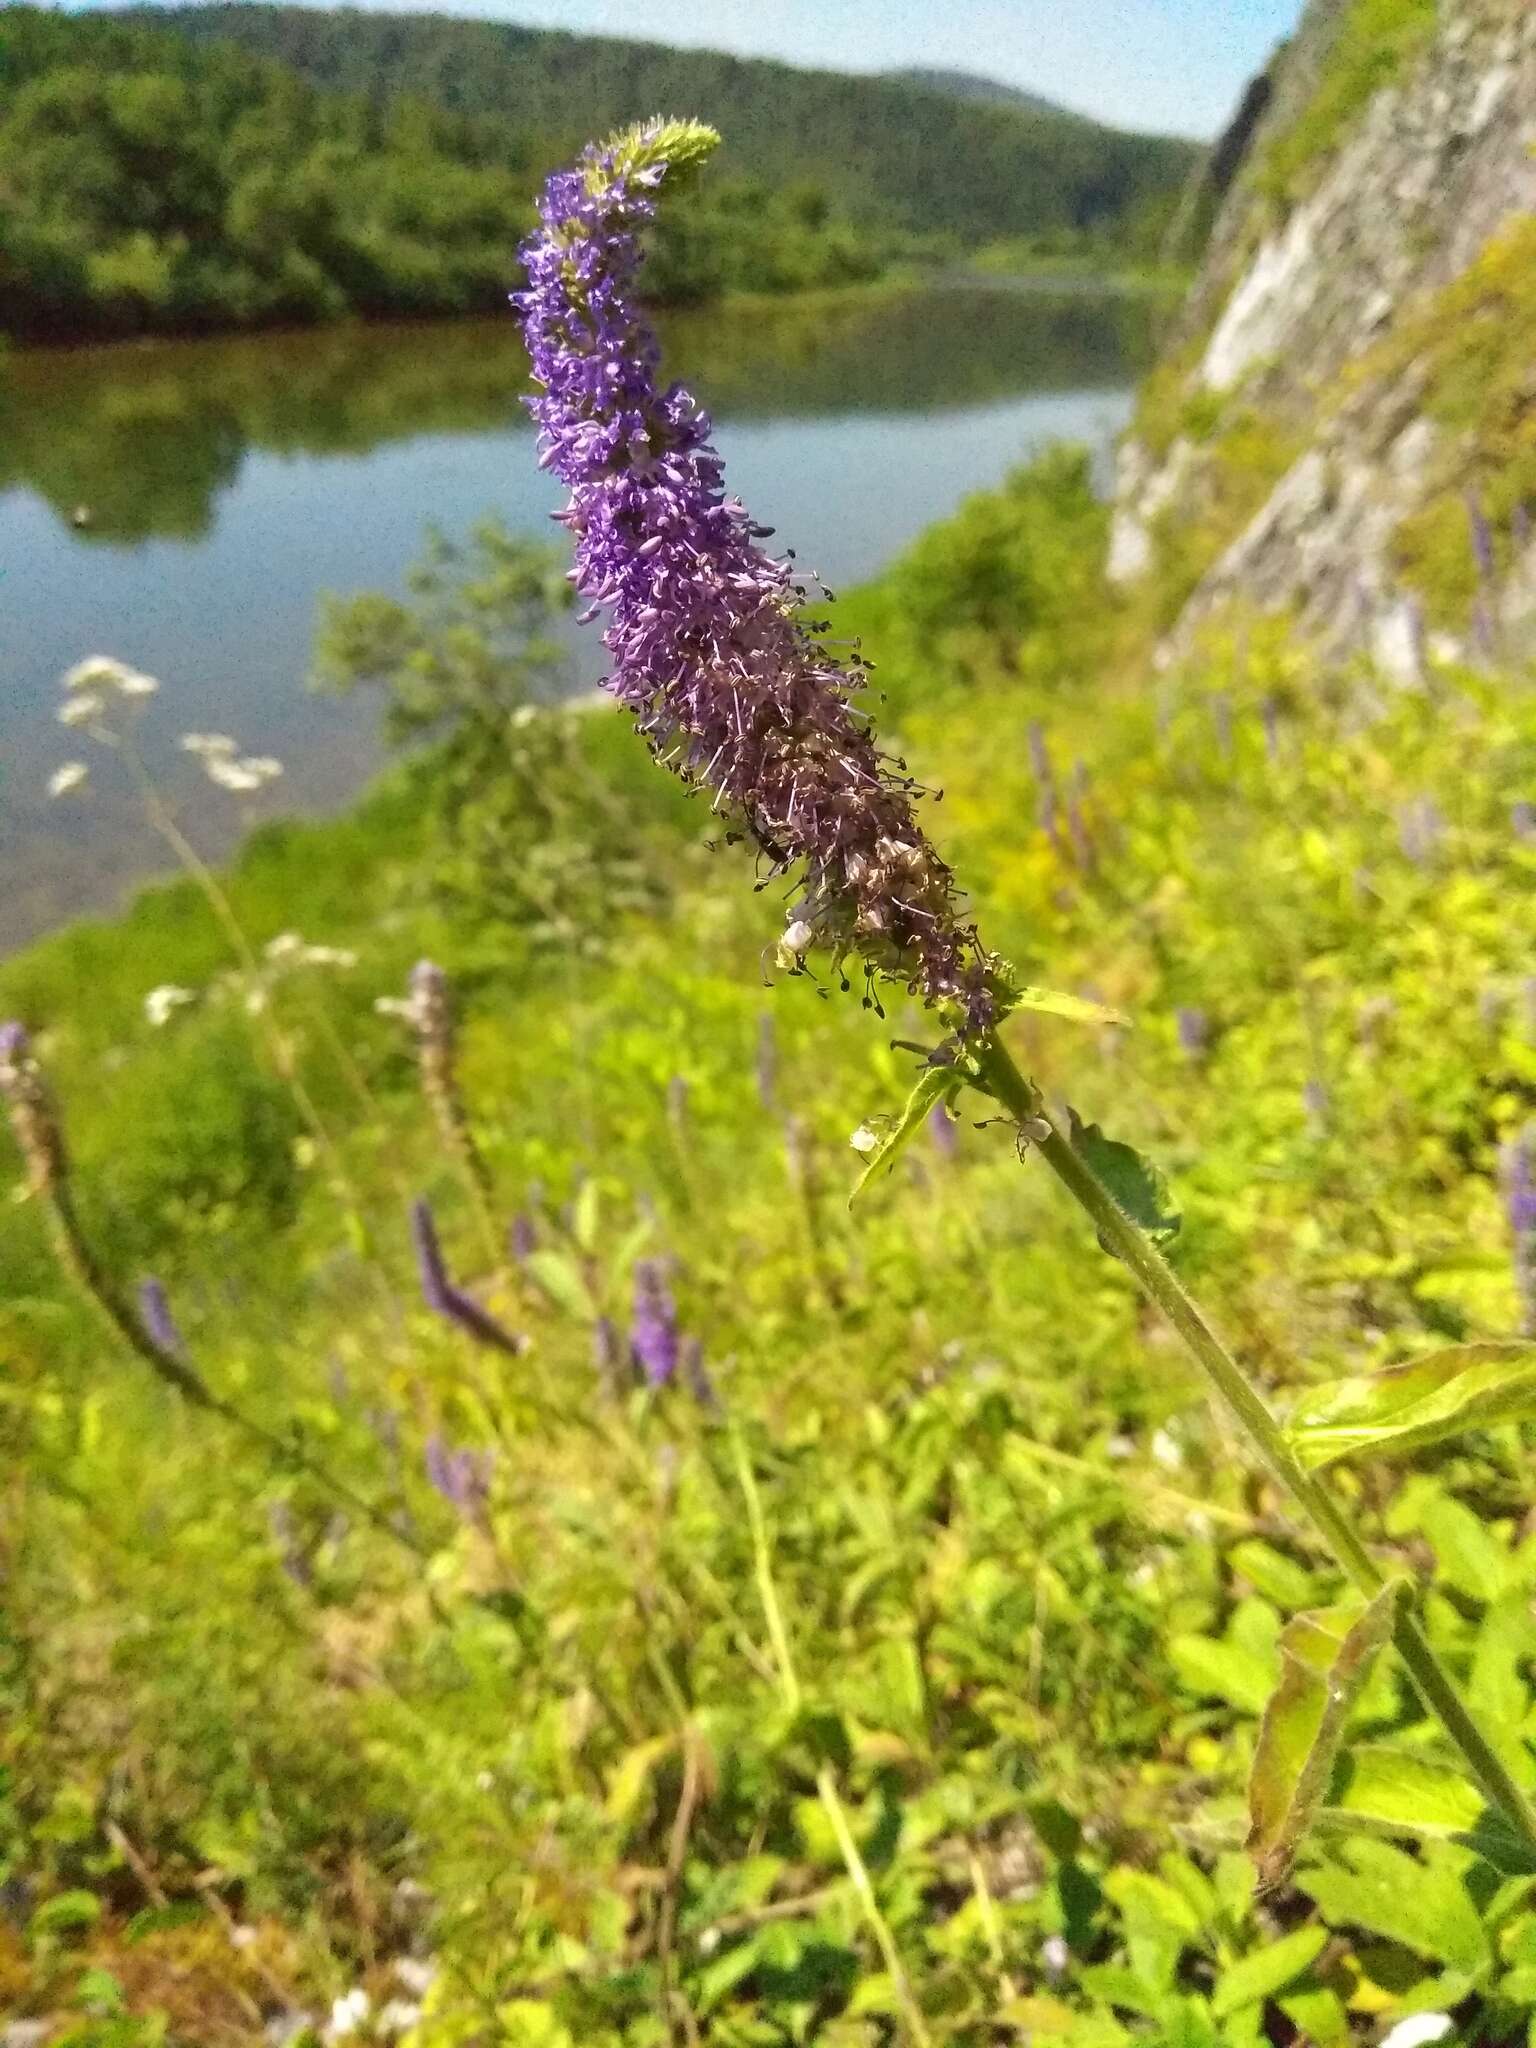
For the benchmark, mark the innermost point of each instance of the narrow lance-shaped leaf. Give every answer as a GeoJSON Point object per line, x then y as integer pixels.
{"type": "Point", "coordinates": [1138, 1187]}
{"type": "Point", "coordinates": [1469, 1386]}
{"type": "Point", "coordinates": [1053, 1002]}
{"type": "Point", "coordinates": [934, 1085]}
{"type": "Point", "coordinates": [1326, 1658]}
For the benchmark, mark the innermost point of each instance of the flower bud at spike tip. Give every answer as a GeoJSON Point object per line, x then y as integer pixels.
{"type": "Point", "coordinates": [708, 647]}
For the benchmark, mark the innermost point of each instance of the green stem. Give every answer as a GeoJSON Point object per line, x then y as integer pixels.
{"type": "Point", "coordinates": [1163, 1287]}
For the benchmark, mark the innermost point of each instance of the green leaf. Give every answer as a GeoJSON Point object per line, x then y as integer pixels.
{"type": "Point", "coordinates": [1278, 1577]}
{"type": "Point", "coordinates": [1325, 1659]}
{"type": "Point", "coordinates": [1052, 1002]}
{"type": "Point", "coordinates": [64, 1913]}
{"type": "Point", "coordinates": [934, 1085]}
{"type": "Point", "coordinates": [1137, 1186]}
{"type": "Point", "coordinates": [559, 1277]}
{"type": "Point", "coordinates": [1400, 1787]}
{"type": "Point", "coordinates": [1225, 1670]}
{"type": "Point", "coordinates": [1399, 1794]}
{"type": "Point", "coordinates": [1468, 1386]}
{"type": "Point", "coordinates": [1268, 1971]}
{"type": "Point", "coordinates": [1418, 1901]}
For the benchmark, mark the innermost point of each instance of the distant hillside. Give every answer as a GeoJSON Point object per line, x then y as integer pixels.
{"type": "Point", "coordinates": [969, 85]}
{"type": "Point", "coordinates": [888, 152]}
{"type": "Point", "coordinates": [151, 182]}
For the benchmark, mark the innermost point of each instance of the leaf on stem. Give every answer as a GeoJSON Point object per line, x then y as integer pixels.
{"type": "Point", "coordinates": [1468, 1386]}
{"type": "Point", "coordinates": [1326, 1657]}
{"type": "Point", "coordinates": [1053, 1002]}
{"type": "Point", "coordinates": [934, 1085]}
{"type": "Point", "coordinates": [1138, 1187]}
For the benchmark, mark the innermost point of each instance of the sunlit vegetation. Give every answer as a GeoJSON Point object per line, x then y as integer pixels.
{"type": "Point", "coordinates": [1031, 1599]}
{"type": "Point", "coordinates": [151, 185]}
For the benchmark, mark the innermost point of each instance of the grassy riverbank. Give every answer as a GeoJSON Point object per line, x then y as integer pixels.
{"type": "Point", "coordinates": [257, 1757]}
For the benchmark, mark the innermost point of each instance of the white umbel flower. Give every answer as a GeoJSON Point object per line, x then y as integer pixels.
{"type": "Point", "coordinates": [71, 776]}
{"type": "Point", "coordinates": [82, 709]}
{"type": "Point", "coordinates": [348, 2013]}
{"type": "Point", "coordinates": [211, 744]}
{"type": "Point", "coordinates": [1418, 2030]}
{"type": "Point", "coordinates": [162, 1003]}
{"type": "Point", "coordinates": [104, 673]}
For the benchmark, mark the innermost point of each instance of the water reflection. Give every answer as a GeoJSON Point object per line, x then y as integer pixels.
{"type": "Point", "coordinates": [227, 483]}
{"type": "Point", "coordinates": [146, 439]}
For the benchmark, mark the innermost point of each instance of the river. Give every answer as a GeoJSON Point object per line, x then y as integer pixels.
{"type": "Point", "coordinates": [220, 487]}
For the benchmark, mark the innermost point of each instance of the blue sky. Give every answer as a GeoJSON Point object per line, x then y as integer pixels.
{"type": "Point", "coordinates": [1171, 65]}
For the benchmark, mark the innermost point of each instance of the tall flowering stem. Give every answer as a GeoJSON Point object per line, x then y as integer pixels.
{"type": "Point", "coordinates": [152, 1334]}
{"type": "Point", "coordinates": [731, 687]}
{"type": "Point", "coordinates": [430, 1009]}
{"type": "Point", "coordinates": [710, 648]}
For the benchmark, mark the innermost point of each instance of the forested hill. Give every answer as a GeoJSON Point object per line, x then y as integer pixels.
{"type": "Point", "coordinates": [888, 151]}
{"type": "Point", "coordinates": [151, 183]}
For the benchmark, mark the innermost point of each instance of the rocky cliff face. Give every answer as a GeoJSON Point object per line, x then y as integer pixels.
{"type": "Point", "coordinates": [1344, 425]}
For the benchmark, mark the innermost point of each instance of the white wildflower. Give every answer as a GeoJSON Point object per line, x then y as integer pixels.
{"type": "Point", "coordinates": [398, 2016]}
{"type": "Point", "coordinates": [161, 1003]}
{"type": "Point", "coordinates": [417, 1976]}
{"type": "Point", "coordinates": [249, 772]}
{"type": "Point", "coordinates": [134, 683]}
{"type": "Point", "coordinates": [68, 777]}
{"type": "Point", "coordinates": [286, 946]}
{"type": "Point", "coordinates": [256, 1000]}
{"type": "Point", "coordinates": [525, 714]}
{"type": "Point", "coordinates": [243, 1936]}
{"type": "Point", "coordinates": [80, 710]}
{"type": "Point", "coordinates": [96, 672]}
{"type": "Point", "coordinates": [348, 2013]}
{"type": "Point", "coordinates": [1167, 1450]}
{"type": "Point", "coordinates": [1055, 1958]}
{"type": "Point", "coordinates": [395, 1006]}
{"type": "Point", "coordinates": [329, 956]}
{"type": "Point", "coordinates": [1418, 2030]}
{"type": "Point", "coordinates": [797, 938]}
{"type": "Point", "coordinates": [865, 1140]}
{"type": "Point", "coordinates": [212, 744]}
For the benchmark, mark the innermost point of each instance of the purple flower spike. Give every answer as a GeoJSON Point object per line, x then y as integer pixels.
{"type": "Point", "coordinates": [440, 1293]}
{"type": "Point", "coordinates": [726, 679]}
{"type": "Point", "coordinates": [158, 1321]}
{"type": "Point", "coordinates": [1519, 1177]}
{"type": "Point", "coordinates": [1482, 538]}
{"type": "Point", "coordinates": [944, 1131]}
{"type": "Point", "coordinates": [1194, 1029]}
{"type": "Point", "coordinates": [1522, 819]}
{"type": "Point", "coordinates": [653, 1339]}
{"type": "Point", "coordinates": [767, 1062]}
{"type": "Point", "coordinates": [462, 1477]}
{"type": "Point", "coordinates": [698, 1381]}
{"type": "Point", "coordinates": [607, 1352]}
{"type": "Point", "coordinates": [522, 1239]}
{"type": "Point", "coordinates": [291, 1552]}
{"type": "Point", "coordinates": [1269, 715]}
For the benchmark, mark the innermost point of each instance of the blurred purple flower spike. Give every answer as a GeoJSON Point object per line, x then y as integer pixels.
{"type": "Point", "coordinates": [440, 1293]}
{"type": "Point", "coordinates": [1194, 1030]}
{"type": "Point", "coordinates": [159, 1323]}
{"type": "Point", "coordinates": [462, 1477]}
{"type": "Point", "coordinates": [653, 1336]}
{"type": "Point", "coordinates": [944, 1130]}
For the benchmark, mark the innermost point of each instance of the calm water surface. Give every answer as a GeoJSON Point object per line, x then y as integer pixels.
{"type": "Point", "coordinates": [229, 483]}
